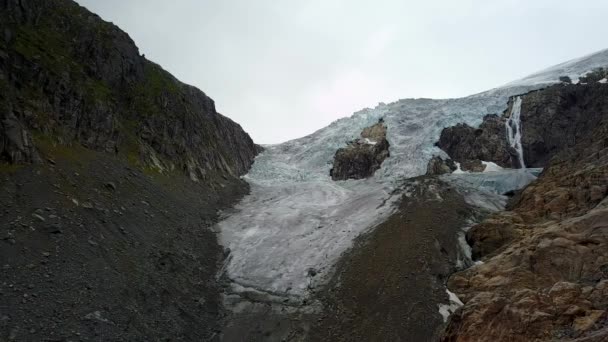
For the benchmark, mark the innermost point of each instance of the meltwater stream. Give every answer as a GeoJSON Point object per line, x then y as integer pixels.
{"type": "Point", "coordinates": [514, 131]}
{"type": "Point", "coordinates": [285, 236]}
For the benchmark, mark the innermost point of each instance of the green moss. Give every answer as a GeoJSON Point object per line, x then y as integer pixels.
{"type": "Point", "coordinates": [49, 147]}
{"type": "Point", "coordinates": [6, 168]}
{"type": "Point", "coordinates": [157, 83]}
{"type": "Point", "coordinates": [45, 46]}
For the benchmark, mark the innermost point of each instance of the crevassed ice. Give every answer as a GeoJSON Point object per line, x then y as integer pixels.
{"type": "Point", "coordinates": [285, 236]}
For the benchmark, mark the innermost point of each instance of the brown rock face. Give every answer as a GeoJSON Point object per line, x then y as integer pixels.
{"type": "Point", "coordinates": [362, 157]}
{"type": "Point", "coordinates": [545, 270]}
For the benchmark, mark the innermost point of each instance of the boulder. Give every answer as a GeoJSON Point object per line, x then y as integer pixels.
{"type": "Point", "coordinates": [362, 157]}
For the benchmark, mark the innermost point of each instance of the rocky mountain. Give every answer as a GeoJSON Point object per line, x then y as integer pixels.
{"type": "Point", "coordinates": [112, 173]}
{"type": "Point", "coordinates": [68, 77]}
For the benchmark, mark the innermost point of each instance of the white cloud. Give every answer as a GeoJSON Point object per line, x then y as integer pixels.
{"type": "Point", "coordinates": [286, 68]}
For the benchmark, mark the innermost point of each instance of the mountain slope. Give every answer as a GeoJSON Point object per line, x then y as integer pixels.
{"type": "Point", "coordinates": [112, 173]}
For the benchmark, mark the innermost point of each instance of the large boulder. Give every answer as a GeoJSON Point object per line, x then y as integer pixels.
{"type": "Point", "coordinates": [363, 156]}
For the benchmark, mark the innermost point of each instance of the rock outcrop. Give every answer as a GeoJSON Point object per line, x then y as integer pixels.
{"type": "Point", "coordinates": [67, 77]}
{"type": "Point", "coordinates": [544, 275]}
{"type": "Point", "coordinates": [362, 157]}
{"type": "Point", "coordinates": [439, 166]}
{"type": "Point", "coordinates": [552, 120]}
{"type": "Point", "coordinates": [469, 146]}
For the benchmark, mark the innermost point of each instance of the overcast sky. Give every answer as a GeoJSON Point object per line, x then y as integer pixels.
{"type": "Point", "coordinates": [283, 69]}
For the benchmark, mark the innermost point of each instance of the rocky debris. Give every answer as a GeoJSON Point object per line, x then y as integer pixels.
{"type": "Point", "coordinates": [545, 261]}
{"type": "Point", "coordinates": [69, 78]}
{"type": "Point", "coordinates": [440, 166]}
{"type": "Point", "coordinates": [469, 146]}
{"type": "Point", "coordinates": [552, 120]}
{"type": "Point", "coordinates": [363, 156]}
{"type": "Point", "coordinates": [108, 271]}
{"type": "Point", "coordinates": [388, 287]}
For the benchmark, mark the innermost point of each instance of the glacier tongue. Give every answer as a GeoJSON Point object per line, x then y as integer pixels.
{"type": "Point", "coordinates": [285, 236]}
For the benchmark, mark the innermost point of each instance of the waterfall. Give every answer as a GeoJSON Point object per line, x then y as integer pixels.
{"type": "Point", "coordinates": [514, 131]}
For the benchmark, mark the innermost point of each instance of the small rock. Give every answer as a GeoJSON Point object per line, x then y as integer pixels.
{"type": "Point", "coordinates": [38, 217]}
{"type": "Point", "coordinates": [46, 254]}
{"type": "Point", "coordinates": [110, 186]}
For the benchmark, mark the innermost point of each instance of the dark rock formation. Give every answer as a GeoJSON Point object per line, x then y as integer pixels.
{"type": "Point", "coordinates": [545, 260]}
{"type": "Point", "coordinates": [68, 77]}
{"type": "Point", "coordinates": [362, 157]}
{"type": "Point", "coordinates": [558, 117]}
{"type": "Point", "coordinates": [469, 146]}
{"type": "Point", "coordinates": [551, 120]}
{"type": "Point", "coordinates": [439, 166]}
{"type": "Point", "coordinates": [16, 144]}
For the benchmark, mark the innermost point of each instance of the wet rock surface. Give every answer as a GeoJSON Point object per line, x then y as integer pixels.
{"type": "Point", "coordinates": [362, 157]}
{"type": "Point", "coordinates": [544, 272]}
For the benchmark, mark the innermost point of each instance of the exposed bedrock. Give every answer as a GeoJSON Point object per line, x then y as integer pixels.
{"type": "Point", "coordinates": [363, 156]}
{"type": "Point", "coordinates": [469, 146]}
{"type": "Point", "coordinates": [545, 270]}
{"type": "Point", "coordinates": [551, 120]}
{"type": "Point", "coordinates": [67, 77]}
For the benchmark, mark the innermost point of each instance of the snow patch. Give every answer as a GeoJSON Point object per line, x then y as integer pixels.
{"type": "Point", "coordinates": [603, 80]}
{"type": "Point", "coordinates": [458, 170]}
{"type": "Point", "coordinates": [491, 167]}
{"type": "Point", "coordinates": [445, 310]}
{"type": "Point", "coordinates": [369, 142]}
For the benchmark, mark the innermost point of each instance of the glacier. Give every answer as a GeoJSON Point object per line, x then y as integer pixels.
{"type": "Point", "coordinates": [286, 235]}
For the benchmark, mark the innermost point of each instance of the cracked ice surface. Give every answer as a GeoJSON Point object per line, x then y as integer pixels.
{"type": "Point", "coordinates": [285, 236]}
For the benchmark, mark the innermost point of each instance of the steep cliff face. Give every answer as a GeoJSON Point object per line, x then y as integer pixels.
{"type": "Point", "coordinates": [362, 157]}
{"type": "Point", "coordinates": [67, 77]}
{"type": "Point", "coordinates": [544, 272]}
{"type": "Point", "coordinates": [553, 119]}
